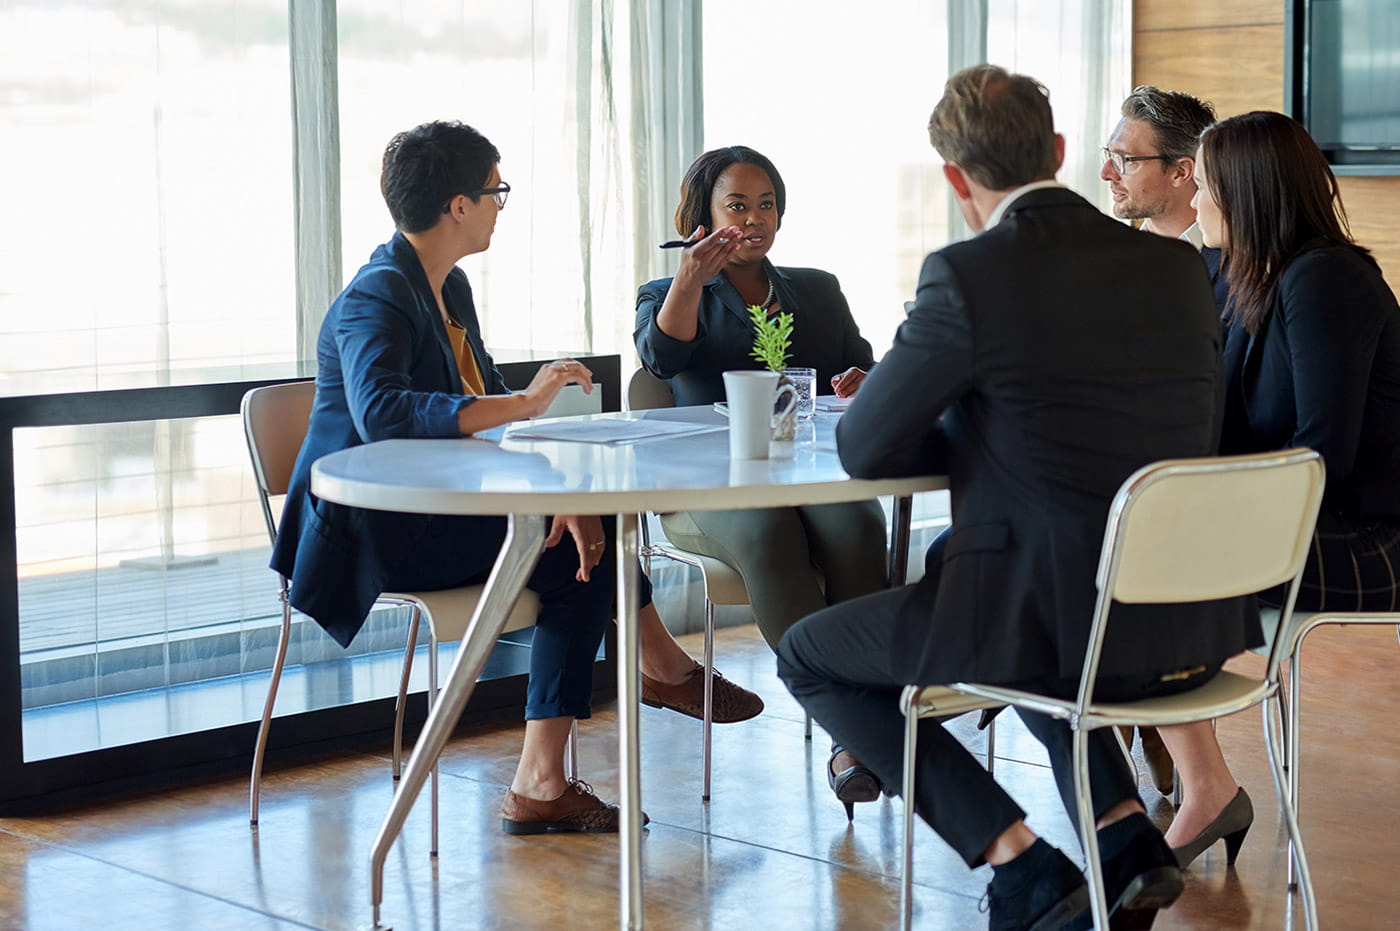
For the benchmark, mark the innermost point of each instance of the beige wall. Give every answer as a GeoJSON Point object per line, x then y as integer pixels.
{"type": "Point", "coordinates": [1231, 53]}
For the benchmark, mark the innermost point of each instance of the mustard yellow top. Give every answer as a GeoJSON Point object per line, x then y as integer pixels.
{"type": "Point", "coordinates": [472, 382]}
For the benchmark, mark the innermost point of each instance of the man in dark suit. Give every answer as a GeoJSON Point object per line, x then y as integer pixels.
{"type": "Point", "coordinates": [1024, 376]}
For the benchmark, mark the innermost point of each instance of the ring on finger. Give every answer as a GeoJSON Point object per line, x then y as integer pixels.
{"type": "Point", "coordinates": [594, 546]}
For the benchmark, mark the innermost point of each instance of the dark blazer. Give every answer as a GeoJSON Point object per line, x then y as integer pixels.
{"type": "Point", "coordinates": [385, 370]}
{"type": "Point", "coordinates": [824, 335]}
{"type": "Point", "coordinates": [1324, 371]}
{"type": "Point", "coordinates": [1042, 363]}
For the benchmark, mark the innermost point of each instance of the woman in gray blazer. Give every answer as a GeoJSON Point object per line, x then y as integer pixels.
{"type": "Point", "coordinates": [695, 326]}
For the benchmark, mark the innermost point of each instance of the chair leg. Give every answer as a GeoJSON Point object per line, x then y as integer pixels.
{"type": "Point", "coordinates": [1291, 740]}
{"type": "Point", "coordinates": [401, 704]}
{"type": "Point", "coordinates": [992, 746]}
{"type": "Point", "coordinates": [1127, 753]}
{"type": "Point", "coordinates": [807, 728]}
{"type": "Point", "coordinates": [906, 873]}
{"type": "Point", "coordinates": [432, 700]}
{"type": "Point", "coordinates": [260, 746]}
{"type": "Point", "coordinates": [1286, 721]}
{"type": "Point", "coordinates": [1298, 858]}
{"type": "Point", "coordinates": [1089, 836]}
{"type": "Point", "coordinates": [708, 719]}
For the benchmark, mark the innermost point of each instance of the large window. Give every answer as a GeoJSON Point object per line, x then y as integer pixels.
{"type": "Point", "coordinates": [149, 171]}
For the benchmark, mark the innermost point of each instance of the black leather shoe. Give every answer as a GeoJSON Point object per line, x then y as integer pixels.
{"type": "Point", "coordinates": [853, 784]}
{"type": "Point", "coordinates": [1140, 874]}
{"type": "Point", "coordinates": [1041, 890]}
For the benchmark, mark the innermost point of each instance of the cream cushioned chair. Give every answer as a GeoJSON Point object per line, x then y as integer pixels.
{"type": "Point", "coordinates": [275, 420]}
{"type": "Point", "coordinates": [1178, 531]}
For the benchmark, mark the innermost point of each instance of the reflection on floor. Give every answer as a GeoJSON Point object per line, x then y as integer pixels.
{"type": "Point", "coordinates": [772, 850]}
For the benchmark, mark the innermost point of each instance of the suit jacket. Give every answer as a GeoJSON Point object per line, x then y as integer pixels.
{"type": "Point", "coordinates": [385, 370]}
{"type": "Point", "coordinates": [1324, 371]}
{"type": "Point", "coordinates": [824, 334]}
{"type": "Point", "coordinates": [1042, 363]}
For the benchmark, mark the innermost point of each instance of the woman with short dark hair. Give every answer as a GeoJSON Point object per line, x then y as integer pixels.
{"type": "Point", "coordinates": [1312, 358]}
{"type": "Point", "coordinates": [695, 326]}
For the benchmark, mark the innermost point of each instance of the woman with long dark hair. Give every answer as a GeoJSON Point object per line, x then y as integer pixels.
{"type": "Point", "coordinates": [1312, 358]}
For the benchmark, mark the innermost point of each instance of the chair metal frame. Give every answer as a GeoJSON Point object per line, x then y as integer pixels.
{"type": "Point", "coordinates": [275, 419]}
{"type": "Point", "coordinates": [1132, 570]}
{"type": "Point", "coordinates": [1291, 685]}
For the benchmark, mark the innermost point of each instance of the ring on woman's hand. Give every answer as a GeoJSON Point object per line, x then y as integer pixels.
{"type": "Point", "coordinates": [594, 546]}
{"type": "Point", "coordinates": [560, 365]}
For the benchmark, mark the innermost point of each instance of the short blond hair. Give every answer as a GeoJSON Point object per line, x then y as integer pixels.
{"type": "Point", "coordinates": [996, 126]}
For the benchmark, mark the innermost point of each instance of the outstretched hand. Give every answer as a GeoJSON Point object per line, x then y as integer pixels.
{"type": "Point", "coordinates": [702, 261]}
{"type": "Point", "coordinates": [550, 380]}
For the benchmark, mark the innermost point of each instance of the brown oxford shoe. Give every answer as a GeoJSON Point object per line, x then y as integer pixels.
{"type": "Point", "coordinates": [576, 809]}
{"type": "Point", "coordinates": [732, 703]}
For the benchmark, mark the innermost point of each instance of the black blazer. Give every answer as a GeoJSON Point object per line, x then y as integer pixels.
{"type": "Point", "coordinates": [824, 335]}
{"type": "Point", "coordinates": [1324, 371]}
{"type": "Point", "coordinates": [1042, 363]}
{"type": "Point", "coordinates": [385, 369]}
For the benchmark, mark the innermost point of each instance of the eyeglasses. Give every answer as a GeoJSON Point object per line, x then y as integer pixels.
{"type": "Point", "coordinates": [498, 194]}
{"type": "Point", "coordinates": [1121, 161]}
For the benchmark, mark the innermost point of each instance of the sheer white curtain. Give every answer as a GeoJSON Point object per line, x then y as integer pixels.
{"type": "Point", "coordinates": [547, 82]}
{"type": "Point", "coordinates": [1082, 52]}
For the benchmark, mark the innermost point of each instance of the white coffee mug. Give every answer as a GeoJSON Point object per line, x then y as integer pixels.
{"type": "Point", "coordinates": [752, 397]}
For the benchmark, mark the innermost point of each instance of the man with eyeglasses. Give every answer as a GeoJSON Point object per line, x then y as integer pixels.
{"type": "Point", "coordinates": [1150, 166]}
{"type": "Point", "coordinates": [1150, 161]}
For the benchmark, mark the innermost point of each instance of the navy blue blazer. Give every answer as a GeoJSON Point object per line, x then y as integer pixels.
{"type": "Point", "coordinates": [824, 334]}
{"type": "Point", "coordinates": [1022, 375]}
{"type": "Point", "coordinates": [385, 370]}
{"type": "Point", "coordinates": [1324, 371]}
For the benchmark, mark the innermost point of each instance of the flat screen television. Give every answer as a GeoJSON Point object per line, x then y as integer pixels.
{"type": "Point", "coordinates": [1343, 80]}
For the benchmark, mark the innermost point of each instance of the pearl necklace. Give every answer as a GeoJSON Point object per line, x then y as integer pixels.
{"type": "Point", "coordinates": [768, 301]}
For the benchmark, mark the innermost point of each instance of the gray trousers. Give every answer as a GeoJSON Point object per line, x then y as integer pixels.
{"type": "Point", "coordinates": [785, 555]}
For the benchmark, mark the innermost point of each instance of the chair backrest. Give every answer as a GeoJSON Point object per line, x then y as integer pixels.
{"type": "Point", "coordinates": [646, 392]}
{"type": "Point", "coordinates": [1186, 530]}
{"type": "Point", "coordinates": [275, 418]}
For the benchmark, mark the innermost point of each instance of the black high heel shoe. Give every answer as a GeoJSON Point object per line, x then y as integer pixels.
{"type": "Point", "coordinates": [1232, 824]}
{"type": "Point", "coordinates": [853, 784]}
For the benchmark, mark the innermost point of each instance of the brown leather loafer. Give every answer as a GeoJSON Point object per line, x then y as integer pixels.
{"type": "Point", "coordinates": [732, 702]}
{"type": "Point", "coordinates": [576, 809]}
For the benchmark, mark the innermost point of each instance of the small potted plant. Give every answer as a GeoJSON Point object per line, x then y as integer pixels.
{"type": "Point", "coordinates": [772, 340]}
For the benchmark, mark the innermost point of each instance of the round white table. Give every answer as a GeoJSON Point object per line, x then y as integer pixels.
{"type": "Point", "coordinates": [530, 479]}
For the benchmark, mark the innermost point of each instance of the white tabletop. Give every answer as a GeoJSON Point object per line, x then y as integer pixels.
{"type": "Point", "coordinates": [519, 476]}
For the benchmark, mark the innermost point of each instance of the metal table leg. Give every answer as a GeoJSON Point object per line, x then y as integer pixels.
{"type": "Point", "coordinates": [525, 536]}
{"type": "Point", "coordinates": [628, 745]}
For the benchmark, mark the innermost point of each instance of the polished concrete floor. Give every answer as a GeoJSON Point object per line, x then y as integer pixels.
{"type": "Point", "coordinates": [772, 850]}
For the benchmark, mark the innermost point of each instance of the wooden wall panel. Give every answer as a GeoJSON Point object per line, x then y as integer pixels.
{"type": "Point", "coordinates": [1373, 208]}
{"type": "Point", "coordinates": [1231, 53]}
{"type": "Point", "coordinates": [1238, 69]}
{"type": "Point", "coordinates": [1205, 14]}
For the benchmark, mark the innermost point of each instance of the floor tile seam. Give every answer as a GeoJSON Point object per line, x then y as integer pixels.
{"type": "Point", "coordinates": [815, 859]}
{"type": "Point", "coordinates": [161, 880]}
